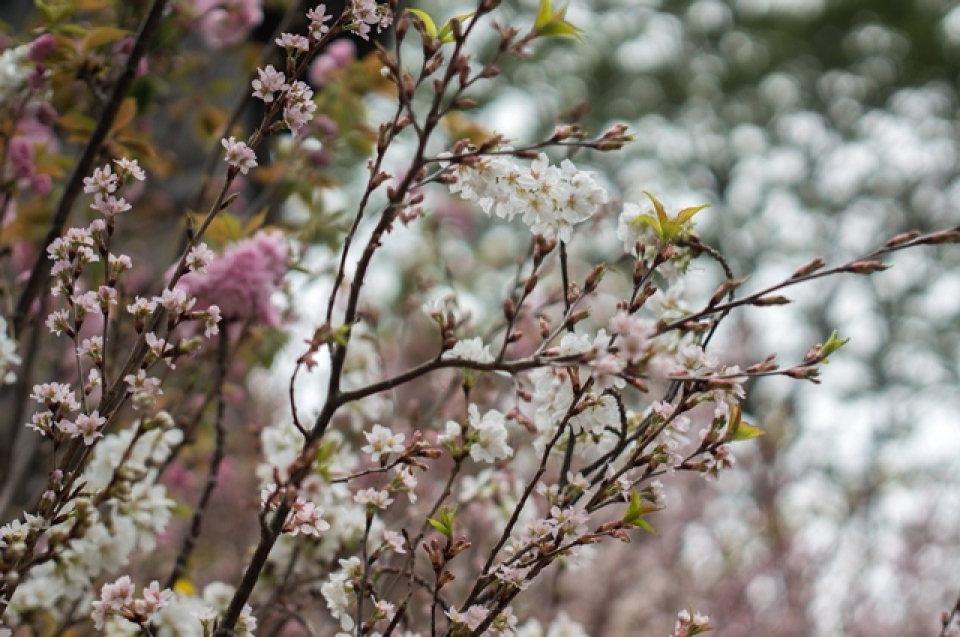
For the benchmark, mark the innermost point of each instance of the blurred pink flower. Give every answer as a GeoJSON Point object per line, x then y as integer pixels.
{"type": "Point", "coordinates": [42, 48]}
{"type": "Point", "coordinates": [242, 280]}
{"type": "Point", "coordinates": [225, 22]}
{"type": "Point", "coordinates": [339, 54]}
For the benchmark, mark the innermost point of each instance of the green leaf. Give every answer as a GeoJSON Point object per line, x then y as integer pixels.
{"type": "Point", "coordinates": [666, 228]}
{"type": "Point", "coordinates": [553, 24]}
{"type": "Point", "coordinates": [833, 344]}
{"type": "Point", "coordinates": [660, 210]}
{"type": "Point", "coordinates": [634, 509]}
{"type": "Point", "coordinates": [544, 14]}
{"type": "Point", "coordinates": [643, 525]}
{"type": "Point", "coordinates": [439, 527]}
{"type": "Point", "coordinates": [634, 514]}
{"type": "Point", "coordinates": [687, 214]}
{"type": "Point", "coordinates": [560, 30]}
{"type": "Point", "coordinates": [650, 221]}
{"type": "Point", "coordinates": [444, 523]}
{"type": "Point", "coordinates": [746, 431]}
{"type": "Point", "coordinates": [428, 24]}
{"type": "Point", "coordinates": [740, 430]}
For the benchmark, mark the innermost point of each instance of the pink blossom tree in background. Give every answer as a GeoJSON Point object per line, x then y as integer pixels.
{"type": "Point", "coordinates": [365, 366]}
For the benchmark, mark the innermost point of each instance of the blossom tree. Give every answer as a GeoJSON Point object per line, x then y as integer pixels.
{"type": "Point", "coordinates": [455, 427]}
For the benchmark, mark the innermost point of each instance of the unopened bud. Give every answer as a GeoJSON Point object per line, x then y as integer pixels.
{"type": "Point", "coordinates": [808, 268]}
{"type": "Point", "coordinates": [576, 317]}
{"type": "Point", "coordinates": [445, 578]}
{"type": "Point", "coordinates": [902, 238]}
{"type": "Point", "coordinates": [433, 64]}
{"type": "Point", "coordinates": [509, 309]}
{"type": "Point", "coordinates": [489, 71]}
{"type": "Point", "coordinates": [530, 285]}
{"type": "Point", "coordinates": [944, 236]}
{"type": "Point", "coordinates": [594, 278]}
{"type": "Point", "coordinates": [465, 103]}
{"type": "Point", "coordinates": [771, 300]}
{"type": "Point", "coordinates": [544, 328]}
{"type": "Point", "coordinates": [866, 267]}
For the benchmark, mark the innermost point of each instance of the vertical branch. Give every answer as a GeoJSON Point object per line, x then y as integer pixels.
{"type": "Point", "coordinates": [212, 478]}
{"type": "Point", "coordinates": [39, 273]}
{"type": "Point", "coordinates": [565, 277]}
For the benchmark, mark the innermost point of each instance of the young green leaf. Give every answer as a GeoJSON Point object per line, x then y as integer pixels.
{"type": "Point", "coordinates": [553, 24]}
{"type": "Point", "coordinates": [444, 522]}
{"type": "Point", "coordinates": [833, 344]}
{"type": "Point", "coordinates": [428, 24]}
{"type": "Point", "coordinates": [634, 514]}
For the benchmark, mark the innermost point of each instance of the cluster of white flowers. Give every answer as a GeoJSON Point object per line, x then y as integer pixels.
{"type": "Point", "coordinates": [189, 615]}
{"type": "Point", "coordinates": [271, 85]}
{"type": "Point", "coordinates": [15, 69]}
{"type": "Point", "coordinates": [239, 155]}
{"type": "Point", "coordinates": [487, 436]}
{"type": "Point", "coordinates": [568, 522]}
{"type": "Point", "coordinates": [553, 396]}
{"type": "Point", "coordinates": [549, 199]}
{"type": "Point", "coordinates": [688, 626]}
{"type": "Point", "coordinates": [135, 512]}
{"type": "Point", "coordinates": [117, 599]}
{"type": "Point", "coordinates": [304, 518]}
{"type": "Point", "coordinates": [472, 349]}
{"type": "Point", "coordinates": [104, 183]}
{"type": "Point", "coordinates": [339, 593]}
{"type": "Point", "coordinates": [365, 14]}
{"type": "Point", "coordinates": [503, 625]}
{"type": "Point", "coordinates": [381, 442]}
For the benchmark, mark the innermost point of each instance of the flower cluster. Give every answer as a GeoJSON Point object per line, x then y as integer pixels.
{"type": "Point", "coordinates": [338, 591]}
{"type": "Point", "coordinates": [688, 626]}
{"type": "Point", "coordinates": [381, 442]}
{"type": "Point", "coordinates": [225, 22]}
{"type": "Point", "coordinates": [117, 599]}
{"type": "Point", "coordinates": [550, 200]}
{"type": "Point", "coordinates": [365, 14]}
{"type": "Point", "coordinates": [239, 155]}
{"type": "Point", "coordinates": [486, 437]}
{"type": "Point", "coordinates": [104, 183]}
{"type": "Point", "coordinates": [21, 71]}
{"type": "Point", "coordinates": [123, 471]}
{"type": "Point", "coordinates": [240, 283]}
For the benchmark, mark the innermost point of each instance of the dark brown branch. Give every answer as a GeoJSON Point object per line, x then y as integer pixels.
{"type": "Point", "coordinates": [40, 273]}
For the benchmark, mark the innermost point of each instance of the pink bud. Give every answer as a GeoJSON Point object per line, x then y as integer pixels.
{"type": "Point", "coordinates": [42, 48]}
